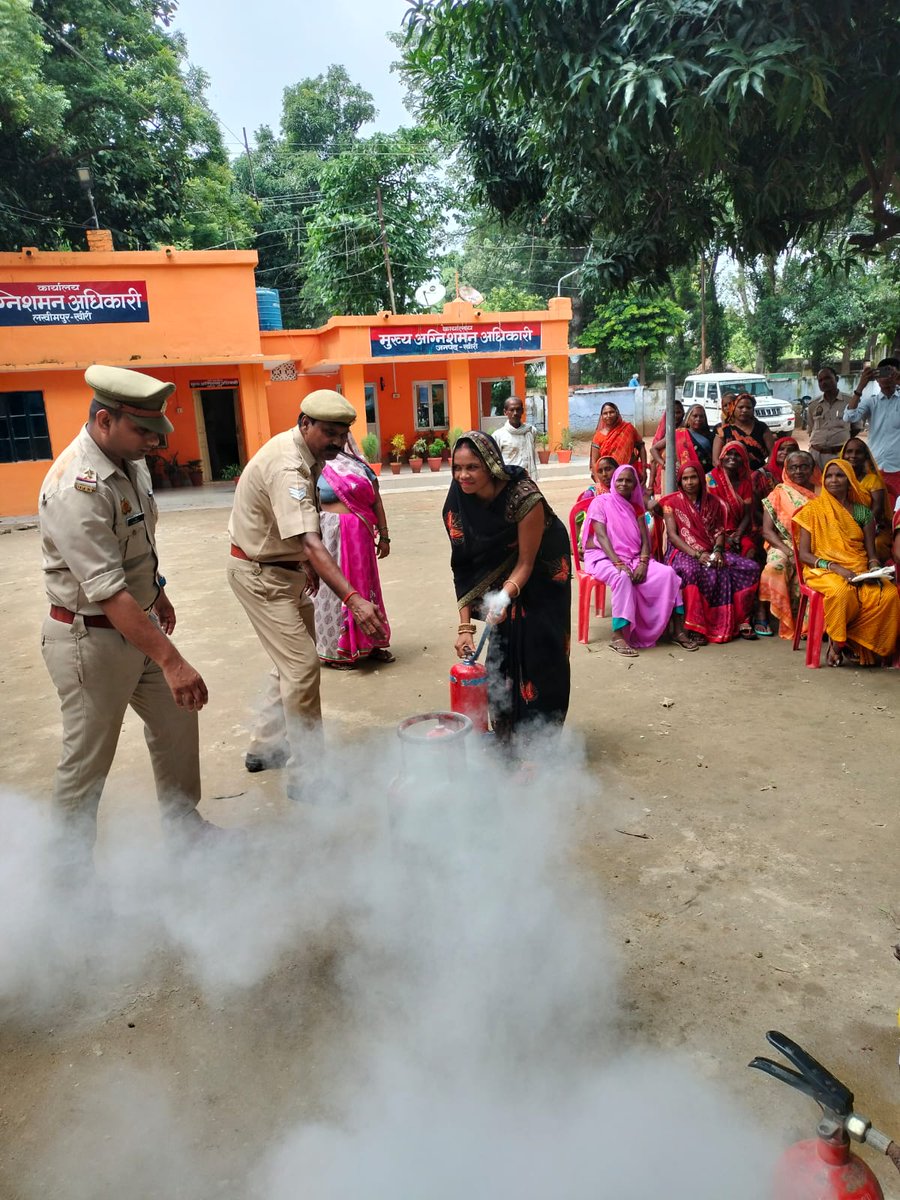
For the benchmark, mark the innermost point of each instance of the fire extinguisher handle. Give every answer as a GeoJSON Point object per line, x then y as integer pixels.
{"type": "Point", "coordinates": [810, 1076]}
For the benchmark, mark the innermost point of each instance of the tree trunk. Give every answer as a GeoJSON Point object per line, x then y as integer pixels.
{"type": "Point", "coordinates": [643, 360]}
{"type": "Point", "coordinates": [845, 360]}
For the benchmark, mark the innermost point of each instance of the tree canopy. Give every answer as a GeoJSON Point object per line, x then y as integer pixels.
{"type": "Point", "coordinates": [658, 129]}
{"type": "Point", "coordinates": [106, 85]}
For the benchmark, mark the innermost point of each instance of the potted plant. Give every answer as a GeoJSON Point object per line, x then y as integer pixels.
{"type": "Point", "coordinates": [232, 471]}
{"type": "Point", "coordinates": [417, 455]}
{"type": "Point", "coordinates": [542, 441]}
{"type": "Point", "coordinates": [156, 465]}
{"type": "Point", "coordinates": [194, 469]}
{"type": "Point", "coordinates": [176, 473]}
{"type": "Point", "coordinates": [371, 449]}
{"type": "Point", "coordinates": [565, 447]}
{"type": "Point", "coordinates": [398, 449]}
{"type": "Point", "coordinates": [436, 453]}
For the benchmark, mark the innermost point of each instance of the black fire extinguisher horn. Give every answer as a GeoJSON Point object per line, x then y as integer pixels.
{"type": "Point", "coordinates": [833, 1097]}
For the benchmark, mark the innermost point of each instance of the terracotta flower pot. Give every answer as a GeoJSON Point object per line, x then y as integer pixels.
{"type": "Point", "coordinates": [376, 467]}
{"type": "Point", "coordinates": [395, 468]}
{"type": "Point", "coordinates": [564, 456]}
{"type": "Point", "coordinates": [416, 465]}
{"type": "Point", "coordinates": [435, 463]}
{"type": "Point", "coordinates": [196, 478]}
{"type": "Point", "coordinates": [543, 457]}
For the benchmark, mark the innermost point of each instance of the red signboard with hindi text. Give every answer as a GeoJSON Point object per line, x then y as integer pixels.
{"type": "Point", "coordinates": [107, 303]}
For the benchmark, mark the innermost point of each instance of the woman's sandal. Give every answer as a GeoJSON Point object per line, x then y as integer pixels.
{"type": "Point", "coordinates": [761, 629]}
{"type": "Point", "coordinates": [686, 642]}
{"type": "Point", "coordinates": [745, 630]}
{"type": "Point", "coordinates": [382, 655]}
{"type": "Point", "coordinates": [622, 647]}
{"type": "Point", "coordinates": [834, 657]}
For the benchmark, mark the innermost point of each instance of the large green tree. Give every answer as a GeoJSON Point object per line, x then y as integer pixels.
{"type": "Point", "coordinates": [106, 84]}
{"type": "Point", "coordinates": [660, 127]}
{"type": "Point", "coordinates": [628, 331]}
{"type": "Point", "coordinates": [344, 255]}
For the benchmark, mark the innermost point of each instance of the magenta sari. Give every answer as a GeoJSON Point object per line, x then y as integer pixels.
{"type": "Point", "coordinates": [350, 539]}
{"type": "Point", "coordinates": [645, 607]}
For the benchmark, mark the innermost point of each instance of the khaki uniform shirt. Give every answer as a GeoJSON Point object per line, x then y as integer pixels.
{"type": "Point", "coordinates": [98, 529]}
{"type": "Point", "coordinates": [275, 500]}
{"type": "Point", "coordinates": [827, 430]}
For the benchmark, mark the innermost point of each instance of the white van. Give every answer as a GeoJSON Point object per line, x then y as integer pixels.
{"type": "Point", "coordinates": [708, 390]}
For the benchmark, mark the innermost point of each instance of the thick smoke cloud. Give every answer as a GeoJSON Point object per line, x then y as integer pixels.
{"type": "Point", "coordinates": [476, 1048]}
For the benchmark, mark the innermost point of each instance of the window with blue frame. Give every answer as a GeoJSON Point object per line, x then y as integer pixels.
{"type": "Point", "coordinates": [24, 436]}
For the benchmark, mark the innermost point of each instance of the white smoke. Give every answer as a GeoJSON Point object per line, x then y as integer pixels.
{"type": "Point", "coordinates": [427, 925]}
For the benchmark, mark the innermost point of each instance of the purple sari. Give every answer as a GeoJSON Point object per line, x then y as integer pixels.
{"type": "Point", "coordinates": [645, 607]}
{"type": "Point", "coordinates": [350, 539]}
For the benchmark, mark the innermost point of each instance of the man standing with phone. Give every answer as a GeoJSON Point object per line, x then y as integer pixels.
{"type": "Point", "coordinates": [882, 409]}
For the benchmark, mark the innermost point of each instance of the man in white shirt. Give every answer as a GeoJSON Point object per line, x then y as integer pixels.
{"type": "Point", "coordinates": [883, 411]}
{"type": "Point", "coordinates": [515, 439]}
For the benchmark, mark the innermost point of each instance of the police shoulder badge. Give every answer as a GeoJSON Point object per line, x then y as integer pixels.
{"type": "Point", "coordinates": [126, 507]}
{"type": "Point", "coordinates": [86, 480]}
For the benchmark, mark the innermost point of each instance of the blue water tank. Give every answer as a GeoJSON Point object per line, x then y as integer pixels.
{"type": "Point", "coordinates": [268, 306]}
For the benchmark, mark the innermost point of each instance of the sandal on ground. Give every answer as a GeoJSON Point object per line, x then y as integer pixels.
{"type": "Point", "coordinates": [382, 654]}
{"type": "Point", "coordinates": [834, 657]}
{"type": "Point", "coordinates": [761, 629]}
{"type": "Point", "coordinates": [686, 642]}
{"type": "Point", "coordinates": [698, 638]}
{"type": "Point", "coordinates": [622, 647]}
{"type": "Point", "coordinates": [746, 632]}
{"type": "Point", "coordinates": [339, 666]}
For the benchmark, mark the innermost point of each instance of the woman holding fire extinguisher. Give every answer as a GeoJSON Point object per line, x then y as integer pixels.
{"type": "Point", "coordinates": [511, 564]}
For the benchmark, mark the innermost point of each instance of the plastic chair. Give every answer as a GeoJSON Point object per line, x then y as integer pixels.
{"type": "Point", "coordinates": [815, 603]}
{"type": "Point", "coordinates": [589, 588]}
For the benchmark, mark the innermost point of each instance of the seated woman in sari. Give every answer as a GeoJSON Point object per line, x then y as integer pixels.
{"type": "Point", "coordinates": [658, 450]}
{"type": "Point", "coordinates": [719, 587]}
{"type": "Point", "coordinates": [871, 483]}
{"type": "Point", "coordinates": [355, 534]}
{"type": "Point", "coordinates": [836, 542]}
{"type": "Point", "coordinates": [732, 482]}
{"type": "Point", "coordinates": [742, 426]}
{"type": "Point", "coordinates": [645, 593]}
{"type": "Point", "coordinates": [695, 439]}
{"type": "Point", "coordinates": [779, 586]}
{"type": "Point", "coordinates": [618, 439]}
{"type": "Point", "coordinates": [505, 537]}
{"type": "Point", "coordinates": [772, 473]}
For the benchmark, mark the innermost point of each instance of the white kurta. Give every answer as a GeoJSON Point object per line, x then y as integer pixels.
{"type": "Point", "coordinates": [517, 447]}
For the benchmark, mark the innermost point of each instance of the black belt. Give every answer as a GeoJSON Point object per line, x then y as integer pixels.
{"type": "Point", "coordinates": [285, 564]}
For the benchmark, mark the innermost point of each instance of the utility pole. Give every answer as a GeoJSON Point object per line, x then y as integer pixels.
{"type": "Point", "coordinates": [387, 253]}
{"type": "Point", "coordinates": [250, 164]}
{"type": "Point", "coordinates": [702, 313]}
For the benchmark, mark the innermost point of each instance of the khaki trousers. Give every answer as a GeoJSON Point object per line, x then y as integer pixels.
{"type": "Point", "coordinates": [97, 675]}
{"type": "Point", "coordinates": [825, 456]}
{"type": "Point", "coordinates": [282, 615]}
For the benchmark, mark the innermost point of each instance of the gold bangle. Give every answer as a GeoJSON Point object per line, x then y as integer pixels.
{"type": "Point", "coordinates": [515, 585]}
{"type": "Point", "coordinates": [466, 628]}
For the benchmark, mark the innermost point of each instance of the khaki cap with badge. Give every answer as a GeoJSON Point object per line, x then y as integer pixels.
{"type": "Point", "coordinates": [325, 405]}
{"type": "Point", "coordinates": [139, 396]}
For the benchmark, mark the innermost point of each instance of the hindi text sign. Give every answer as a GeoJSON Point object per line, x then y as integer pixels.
{"type": "Point", "coordinates": [110, 302]}
{"type": "Point", "coordinates": [508, 337]}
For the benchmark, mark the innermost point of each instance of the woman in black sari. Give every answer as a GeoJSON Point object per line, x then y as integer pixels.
{"type": "Point", "coordinates": [505, 537]}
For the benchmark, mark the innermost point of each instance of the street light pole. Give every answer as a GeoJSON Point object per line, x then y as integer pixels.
{"type": "Point", "coordinates": [566, 276]}
{"type": "Point", "coordinates": [84, 178]}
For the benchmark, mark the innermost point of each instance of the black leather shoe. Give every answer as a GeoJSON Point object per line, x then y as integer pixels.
{"type": "Point", "coordinates": [256, 762]}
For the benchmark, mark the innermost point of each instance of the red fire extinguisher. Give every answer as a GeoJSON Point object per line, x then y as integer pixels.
{"type": "Point", "coordinates": [824, 1167]}
{"type": "Point", "coordinates": [469, 688]}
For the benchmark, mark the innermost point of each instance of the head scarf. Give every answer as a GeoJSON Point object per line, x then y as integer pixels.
{"type": "Point", "coordinates": [620, 516]}
{"type": "Point", "coordinates": [484, 537]}
{"type": "Point", "coordinates": [698, 522]}
{"type": "Point", "coordinates": [872, 481]}
{"type": "Point", "coordinates": [834, 533]}
{"type": "Point", "coordinates": [734, 494]}
{"type": "Point", "coordinates": [772, 465]}
{"type": "Point", "coordinates": [729, 400]}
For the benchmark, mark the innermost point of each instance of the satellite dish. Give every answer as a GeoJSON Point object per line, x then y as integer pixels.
{"type": "Point", "coordinates": [430, 293]}
{"type": "Point", "coordinates": [471, 294]}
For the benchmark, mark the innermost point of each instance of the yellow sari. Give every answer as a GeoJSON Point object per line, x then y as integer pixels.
{"type": "Point", "coordinates": [778, 584]}
{"type": "Point", "coordinates": [871, 482]}
{"type": "Point", "coordinates": [867, 616]}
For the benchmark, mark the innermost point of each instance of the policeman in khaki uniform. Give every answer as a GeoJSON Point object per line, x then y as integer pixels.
{"type": "Point", "coordinates": [105, 639]}
{"type": "Point", "coordinates": [277, 560]}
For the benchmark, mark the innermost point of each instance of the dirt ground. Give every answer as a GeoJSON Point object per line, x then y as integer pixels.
{"type": "Point", "coordinates": [743, 838]}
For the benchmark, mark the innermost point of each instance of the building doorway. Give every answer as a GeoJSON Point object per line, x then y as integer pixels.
{"type": "Point", "coordinates": [372, 411]}
{"type": "Point", "coordinates": [219, 429]}
{"type": "Point", "coordinates": [492, 395]}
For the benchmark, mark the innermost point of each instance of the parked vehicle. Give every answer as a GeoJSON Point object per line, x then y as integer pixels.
{"type": "Point", "coordinates": [709, 389]}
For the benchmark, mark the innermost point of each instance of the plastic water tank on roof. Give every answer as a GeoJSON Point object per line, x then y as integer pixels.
{"type": "Point", "coordinates": [268, 306]}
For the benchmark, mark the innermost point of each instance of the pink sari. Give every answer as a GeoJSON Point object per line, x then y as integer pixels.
{"type": "Point", "coordinates": [350, 539]}
{"type": "Point", "coordinates": [645, 607]}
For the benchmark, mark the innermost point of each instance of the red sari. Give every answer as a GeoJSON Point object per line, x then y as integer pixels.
{"type": "Point", "coordinates": [621, 442]}
{"type": "Point", "coordinates": [738, 499]}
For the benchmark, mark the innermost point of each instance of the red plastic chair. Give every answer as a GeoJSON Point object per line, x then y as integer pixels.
{"type": "Point", "coordinates": [815, 603]}
{"type": "Point", "coordinates": [588, 587]}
